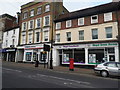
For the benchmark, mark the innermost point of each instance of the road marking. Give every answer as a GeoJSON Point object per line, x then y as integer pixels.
{"type": "Point", "coordinates": [80, 82]}
{"type": "Point", "coordinates": [12, 70]}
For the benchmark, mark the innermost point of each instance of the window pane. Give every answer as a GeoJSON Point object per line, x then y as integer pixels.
{"type": "Point", "coordinates": [81, 35]}
{"type": "Point", "coordinates": [108, 32]}
{"type": "Point", "coordinates": [94, 34]}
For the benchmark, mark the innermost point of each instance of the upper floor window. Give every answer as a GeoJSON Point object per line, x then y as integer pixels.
{"type": "Point", "coordinates": [94, 33]}
{"type": "Point", "coordinates": [24, 26]}
{"type": "Point", "coordinates": [38, 22]}
{"type": "Point", "coordinates": [39, 10]}
{"type": "Point", "coordinates": [37, 35]}
{"type": "Point", "coordinates": [81, 35]}
{"type": "Point", "coordinates": [108, 16]}
{"type": "Point", "coordinates": [31, 24]}
{"type": "Point", "coordinates": [7, 33]}
{"type": "Point", "coordinates": [32, 13]}
{"type": "Point", "coordinates": [13, 41]}
{"type": "Point", "coordinates": [13, 31]}
{"type": "Point", "coordinates": [58, 25]}
{"type": "Point", "coordinates": [108, 32]}
{"type": "Point", "coordinates": [68, 23]}
{"type": "Point", "coordinates": [47, 20]}
{"type": "Point", "coordinates": [57, 37]}
{"type": "Point", "coordinates": [94, 19]}
{"type": "Point", "coordinates": [45, 35]}
{"type": "Point", "coordinates": [30, 38]}
{"type": "Point", "coordinates": [81, 21]}
{"type": "Point", "coordinates": [6, 43]}
{"type": "Point", "coordinates": [25, 14]}
{"type": "Point", "coordinates": [23, 39]}
{"type": "Point", "coordinates": [68, 36]}
{"type": "Point", "coordinates": [47, 8]}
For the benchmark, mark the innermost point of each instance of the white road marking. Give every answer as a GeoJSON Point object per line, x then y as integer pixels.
{"type": "Point", "coordinates": [80, 82]}
{"type": "Point", "coordinates": [12, 70]}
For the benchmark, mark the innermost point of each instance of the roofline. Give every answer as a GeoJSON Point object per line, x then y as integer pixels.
{"type": "Point", "coordinates": [73, 16]}
{"type": "Point", "coordinates": [7, 15]}
{"type": "Point", "coordinates": [11, 28]}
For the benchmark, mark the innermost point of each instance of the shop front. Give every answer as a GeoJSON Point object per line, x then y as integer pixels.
{"type": "Point", "coordinates": [9, 54]}
{"type": "Point", "coordinates": [87, 54]}
{"type": "Point", "coordinates": [34, 53]}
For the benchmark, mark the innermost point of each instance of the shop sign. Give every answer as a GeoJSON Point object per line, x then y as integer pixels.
{"type": "Point", "coordinates": [10, 50]}
{"type": "Point", "coordinates": [104, 44]}
{"type": "Point", "coordinates": [33, 46]}
{"type": "Point", "coordinates": [71, 46]}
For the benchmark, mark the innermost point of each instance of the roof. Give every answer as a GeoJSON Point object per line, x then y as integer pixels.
{"type": "Point", "coordinates": [7, 15]}
{"type": "Point", "coordinates": [12, 28]}
{"type": "Point", "coordinates": [113, 6]}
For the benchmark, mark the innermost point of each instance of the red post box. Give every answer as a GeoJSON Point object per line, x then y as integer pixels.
{"type": "Point", "coordinates": [71, 66]}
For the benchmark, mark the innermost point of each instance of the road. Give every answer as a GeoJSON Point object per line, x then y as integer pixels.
{"type": "Point", "coordinates": [19, 77]}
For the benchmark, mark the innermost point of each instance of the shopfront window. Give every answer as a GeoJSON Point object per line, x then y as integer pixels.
{"type": "Point", "coordinates": [79, 56]}
{"type": "Point", "coordinates": [28, 56]}
{"type": "Point", "coordinates": [67, 55]}
{"type": "Point", "coordinates": [96, 56]}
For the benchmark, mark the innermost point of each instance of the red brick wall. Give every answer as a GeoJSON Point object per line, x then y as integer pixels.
{"type": "Point", "coordinates": [87, 21]}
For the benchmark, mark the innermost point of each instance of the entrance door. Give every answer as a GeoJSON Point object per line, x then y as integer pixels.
{"type": "Point", "coordinates": [111, 57]}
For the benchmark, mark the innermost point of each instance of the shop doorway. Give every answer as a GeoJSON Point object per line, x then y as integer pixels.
{"type": "Point", "coordinates": [111, 57]}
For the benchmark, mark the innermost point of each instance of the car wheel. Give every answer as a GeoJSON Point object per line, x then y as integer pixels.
{"type": "Point", "coordinates": [104, 73]}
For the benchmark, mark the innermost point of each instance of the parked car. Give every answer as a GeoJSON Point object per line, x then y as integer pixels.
{"type": "Point", "coordinates": [108, 68]}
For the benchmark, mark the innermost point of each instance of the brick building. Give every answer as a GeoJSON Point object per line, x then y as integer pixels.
{"type": "Point", "coordinates": [88, 35]}
{"type": "Point", "coordinates": [37, 29]}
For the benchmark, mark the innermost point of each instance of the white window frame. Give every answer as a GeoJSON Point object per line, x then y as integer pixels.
{"type": "Point", "coordinates": [47, 8]}
{"type": "Point", "coordinates": [68, 37]}
{"type": "Point", "coordinates": [30, 39]}
{"type": "Point", "coordinates": [108, 17]}
{"type": "Point", "coordinates": [68, 23]}
{"type": "Point", "coordinates": [36, 36]}
{"type": "Point", "coordinates": [93, 33]}
{"type": "Point", "coordinates": [24, 29]}
{"type": "Point", "coordinates": [25, 15]}
{"type": "Point", "coordinates": [58, 25]}
{"type": "Point", "coordinates": [30, 24]}
{"type": "Point", "coordinates": [80, 20]}
{"type": "Point", "coordinates": [45, 20]}
{"type": "Point", "coordinates": [109, 32]}
{"type": "Point", "coordinates": [94, 20]}
{"type": "Point", "coordinates": [23, 39]}
{"type": "Point", "coordinates": [32, 13]}
{"type": "Point", "coordinates": [37, 23]}
{"type": "Point", "coordinates": [57, 39]}
{"type": "Point", "coordinates": [39, 12]}
{"type": "Point", "coordinates": [81, 36]}
{"type": "Point", "coordinates": [44, 30]}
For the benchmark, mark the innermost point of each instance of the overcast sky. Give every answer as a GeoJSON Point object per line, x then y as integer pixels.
{"type": "Point", "coordinates": [13, 6]}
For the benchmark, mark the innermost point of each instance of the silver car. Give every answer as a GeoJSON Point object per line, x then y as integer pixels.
{"type": "Point", "coordinates": [108, 68]}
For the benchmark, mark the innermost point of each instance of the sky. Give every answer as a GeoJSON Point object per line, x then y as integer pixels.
{"type": "Point", "coordinates": [13, 6]}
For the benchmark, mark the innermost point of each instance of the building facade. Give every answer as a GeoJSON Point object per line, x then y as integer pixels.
{"type": "Point", "coordinates": [37, 29]}
{"type": "Point", "coordinates": [9, 45]}
{"type": "Point", "coordinates": [88, 35]}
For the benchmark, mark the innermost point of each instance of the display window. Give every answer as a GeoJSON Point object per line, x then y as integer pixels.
{"type": "Point", "coordinates": [28, 56]}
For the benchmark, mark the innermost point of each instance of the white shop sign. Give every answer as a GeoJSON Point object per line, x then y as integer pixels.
{"type": "Point", "coordinates": [33, 46]}
{"type": "Point", "coordinates": [87, 45]}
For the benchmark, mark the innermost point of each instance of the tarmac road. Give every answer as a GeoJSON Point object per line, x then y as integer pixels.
{"type": "Point", "coordinates": [21, 77]}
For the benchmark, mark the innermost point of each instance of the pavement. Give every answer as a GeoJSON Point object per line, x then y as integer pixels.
{"type": "Point", "coordinates": [60, 69]}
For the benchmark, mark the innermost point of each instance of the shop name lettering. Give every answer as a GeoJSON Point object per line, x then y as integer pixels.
{"type": "Point", "coordinates": [71, 46]}
{"type": "Point", "coordinates": [30, 46]}
{"type": "Point", "coordinates": [107, 44]}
